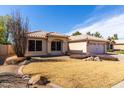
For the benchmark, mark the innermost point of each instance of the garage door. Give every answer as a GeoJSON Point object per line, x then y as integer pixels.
{"type": "Point", "coordinates": [96, 48]}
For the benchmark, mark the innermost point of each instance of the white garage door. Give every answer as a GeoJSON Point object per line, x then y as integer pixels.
{"type": "Point", "coordinates": [96, 48]}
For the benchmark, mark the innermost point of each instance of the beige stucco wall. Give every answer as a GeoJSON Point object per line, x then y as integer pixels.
{"type": "Point", "coordinates": [118, 47]}
{"type": "Point", "coordinates": [64, 45]}
{"type": "Point", "coordinates": [46, 46]}
{"type": "Point", "coordinates": [36, 53]}
{"type": "Point", "coordinates": [88, 47]}
{"type": "Point", "coordinates": [78, 47]}
{"type": "Point", "coordinates": [96, 47]}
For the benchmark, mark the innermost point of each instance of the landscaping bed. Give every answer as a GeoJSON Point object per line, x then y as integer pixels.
{"type": "Point", "coordinates": [8, 80]}
{"type": "Point", "coordinates": [102, 57]}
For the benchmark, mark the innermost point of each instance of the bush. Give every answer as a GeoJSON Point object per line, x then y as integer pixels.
{"type": "Point", "coordinates": [110, 50]}
{"type": "Point", "coordinates": [28, 58]}
{"type": "Point", "coordinates": [121, 51]}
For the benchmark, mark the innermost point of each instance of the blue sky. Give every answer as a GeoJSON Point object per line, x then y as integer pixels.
{"type": "Point", "coordinates": [108, 20]}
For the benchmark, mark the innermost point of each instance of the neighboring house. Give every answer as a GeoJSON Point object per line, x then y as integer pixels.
{"type": "Point", "coordinates": [110, 45]}
{"type": "Point", "coordinates": [51, 43]}
{"type": "Point", "coordinates": [87, 44]}
{"type": "Point", "coordinates": [118, 45]}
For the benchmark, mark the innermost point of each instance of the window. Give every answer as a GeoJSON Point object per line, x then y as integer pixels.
{"type": "Point", "coordinates": [38, 45]}
{"type": "Point", "coordinates": [31, 46]}
{"type": "Point", "coordinates": [56, 46]}
{"type": "Point", "coordinates": [34, 45]}
{"type": "Point", "coordinates": [53, 46]}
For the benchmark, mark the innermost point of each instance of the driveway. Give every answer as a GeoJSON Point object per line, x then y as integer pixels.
{"type": "Point", "coordinates": [120, 57]}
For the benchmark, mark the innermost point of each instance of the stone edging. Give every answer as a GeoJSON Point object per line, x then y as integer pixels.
{"type": "Point", "coordinates": [49, 84]}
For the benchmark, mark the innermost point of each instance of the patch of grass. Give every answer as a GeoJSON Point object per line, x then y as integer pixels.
{"type": "Point", "coordinates": [78, 73]}
{"type": "Point", "coordinates": [117, 52]}
{"type": "Point", "coordinates": [120, 52]}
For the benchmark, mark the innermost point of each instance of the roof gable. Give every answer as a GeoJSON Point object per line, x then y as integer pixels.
{"type": "Point", "coordinates": [44, 34]}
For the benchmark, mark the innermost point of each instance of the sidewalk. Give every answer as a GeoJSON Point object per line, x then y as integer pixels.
{"type": "Point", "coordinates": [119, 85]}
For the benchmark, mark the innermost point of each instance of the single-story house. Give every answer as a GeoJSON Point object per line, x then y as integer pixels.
{"type": "Point", "coordinates": [51, 43]}
{"type": "Point", "coordinates": [46, 43]}
{"type": "Point", "coordinates": [87, 44]}
{"type": "Point", "coordinates": [118, 45]}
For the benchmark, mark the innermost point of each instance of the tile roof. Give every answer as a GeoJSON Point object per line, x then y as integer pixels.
{"type": "Point", "coordinates": [40, 34]}
{"type": "Point", "coordinates": [44, 34]}
{"type": "Point", "coordinates": [85, 37]}
{"type": "Point", "coordinates": [55, 34]}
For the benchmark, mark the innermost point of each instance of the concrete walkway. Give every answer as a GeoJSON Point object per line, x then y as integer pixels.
{"type": "Point", "coordinates": [9, 69]}
{"type": "Point", "coordinates": [119, 85]}
{"type": "Point", "coordinates": [121, 58]}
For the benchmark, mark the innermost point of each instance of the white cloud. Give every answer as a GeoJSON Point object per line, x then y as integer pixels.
{"type": "Point", "coordinates": [107, 27]}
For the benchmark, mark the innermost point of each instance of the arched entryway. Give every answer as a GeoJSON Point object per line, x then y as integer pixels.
{"type": "Point", "coordinates": [56, 45]}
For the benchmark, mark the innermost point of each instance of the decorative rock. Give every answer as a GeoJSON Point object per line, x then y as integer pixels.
{"type": "Point", "coordinates": [25, 62]}
{"type": "Point", "coordinates": [13, 60]}
{"type": "Point", "coordinates": [90, 59]}
{"type": "Point", "coordinates": [37, 79]}
{"type": "Point", "coordinates": [25, 77]}
{"type": "Point", "coordinates": [43, 81]}
{"type": "Point", "coordinates": [28, 58]}
{"type": "Point", "coordinates": [34, 79]}
{"type": "Point", "coordinates": [97, 59]}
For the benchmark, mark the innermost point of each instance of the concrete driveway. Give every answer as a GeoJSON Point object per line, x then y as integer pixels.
{"type": "Point", "coordinates": [120, 57]}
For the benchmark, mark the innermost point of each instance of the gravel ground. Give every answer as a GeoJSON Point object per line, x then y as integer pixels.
{"type": "Point", "coordinates": [9, 78]}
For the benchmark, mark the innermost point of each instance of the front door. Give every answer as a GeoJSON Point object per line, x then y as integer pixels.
{"type": "Point", "coordinates": [56, 47]}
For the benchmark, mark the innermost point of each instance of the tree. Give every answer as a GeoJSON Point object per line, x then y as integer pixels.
{"type": "Point", "coordinates": [76, 33]}
{"type": "Point", "coordinates": [1, 31]}
{"type": "Point", "coordinates": [89, 33]}
{"type": "Point", "coordinates": [4, 35]}
{"type": "Point", "coordinates": [114, 37]}
{"type": "Point", "coordinates": [96, 34]}
{"type": "Point", "coordinates": [18, 28]}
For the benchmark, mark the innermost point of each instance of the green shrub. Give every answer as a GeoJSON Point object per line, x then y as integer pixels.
{"type": "Point", "coordinates": [121, 52]}
{"type": "Point", "coordinates": [110, 50]}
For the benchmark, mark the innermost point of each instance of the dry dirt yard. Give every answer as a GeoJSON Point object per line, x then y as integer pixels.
{"type": "Point", "coordinates": [75, 73]}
